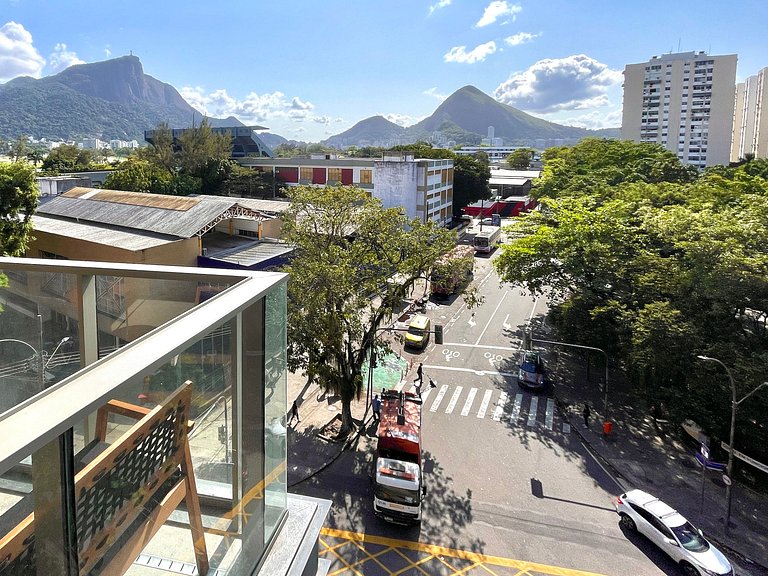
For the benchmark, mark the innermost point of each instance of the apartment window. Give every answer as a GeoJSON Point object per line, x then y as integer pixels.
{"type": "Point", "coordinates": [366, 176]}
{"type": "Point", "coordinates": [305, 174]}
{"type": "Point", "coordinates": [334, 174]}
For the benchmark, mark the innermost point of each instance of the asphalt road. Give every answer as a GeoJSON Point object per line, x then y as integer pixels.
{"type": "Point", "coordinates": [505, 476]}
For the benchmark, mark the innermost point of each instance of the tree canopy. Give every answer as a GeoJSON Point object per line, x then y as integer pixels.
{"type": "Point", "coordinates": [18, 202]}
{"type": "Point", "coordinates": [520, 159]}
{"type": "Point", "coordinates": [354, 264]}
{"type": "Point", "coordinates": [197, 162]}
{"type": "Point", "coordinates": [656, 264]}
{"type": "Point", "coordinates": [67, 158]}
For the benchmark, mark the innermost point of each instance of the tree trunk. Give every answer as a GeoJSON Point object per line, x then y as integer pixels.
{"type": "Point", "coordinates": [347, 424]}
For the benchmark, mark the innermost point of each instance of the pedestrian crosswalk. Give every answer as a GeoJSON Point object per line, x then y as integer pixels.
{"type": "Point", "coordinates": [523, 409]}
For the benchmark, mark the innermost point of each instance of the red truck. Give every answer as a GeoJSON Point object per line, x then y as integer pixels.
{"type": "Point", "coordinates": [398, 482]}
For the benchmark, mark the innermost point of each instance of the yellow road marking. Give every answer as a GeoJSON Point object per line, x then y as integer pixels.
{"type": "Point", "coordinates": [436, 552]}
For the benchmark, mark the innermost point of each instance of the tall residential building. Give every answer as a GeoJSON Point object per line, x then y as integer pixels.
{"type": "Point", "coordinates": [684, 102]}
{"type": "Point", "coordinates": [750, 122]}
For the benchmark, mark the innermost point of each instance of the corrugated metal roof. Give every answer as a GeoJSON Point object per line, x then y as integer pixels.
{"type": "Point", "coordinates": [254, 254]}
{"type": "Point", "coordinates": [171, 215]}
{"type": "Point", "coordinates": [105, 235]}
{"type": "Point", "coordinates": [255, 204]}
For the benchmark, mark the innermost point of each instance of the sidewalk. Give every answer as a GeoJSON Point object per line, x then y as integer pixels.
{"type": "Point", "coordinates": [640, 456]}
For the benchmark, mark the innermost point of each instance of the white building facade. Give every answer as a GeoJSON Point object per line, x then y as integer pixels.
{"type": "Point", "coordinates": [684, 102]}
{"type": "Point", "coordinates": [423, 187]}
{"type": "Point", "coordinates": [750, 122]}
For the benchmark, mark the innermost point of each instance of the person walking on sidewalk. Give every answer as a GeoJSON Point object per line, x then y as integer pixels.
{"type": "Point", "coordinates": [420, 374]}
{"type": "Point", "coordinates": [376, 406]}
{"type": "Point", "coordinates": [294, 413]}
{"type": "Point", "coordinates": [586, 413]}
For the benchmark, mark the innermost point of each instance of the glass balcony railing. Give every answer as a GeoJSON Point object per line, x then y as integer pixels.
{"type": "Point", "coordinates": [103, 369]}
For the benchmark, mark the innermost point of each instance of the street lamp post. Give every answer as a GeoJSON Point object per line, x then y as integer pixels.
{"type": "Point", "coordinates": [734, 405]}
{"type": "Point", "coordinates": [42, 363]}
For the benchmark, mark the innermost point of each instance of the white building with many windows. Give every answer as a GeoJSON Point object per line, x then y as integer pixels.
{"type": "Point", "coordinates": [423, 187]}
{"type": "Point", "coordinates": [750, 122]}
{"type": "Point", "coordinates": [683, 101]}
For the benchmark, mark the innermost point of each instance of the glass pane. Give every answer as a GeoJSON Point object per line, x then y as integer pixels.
{"type": "Point", "coordinates": [275, 439]}
{"type": "Point", "coordinates": [38, 338]}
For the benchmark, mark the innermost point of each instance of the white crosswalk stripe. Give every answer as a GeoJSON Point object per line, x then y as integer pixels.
{"type": "Point", "coordinates": [454, 399]}
{"type": "Point", "coordinates": [499, 410]}
{"type": "Point", "coordinates": [516, 409]}
{"type": "Point", "coordinates": [502, 408]}
{"type": "Point", "coordinates": [484, 404]}
{"type": "Point", "coordinates": [468, 403]}
{"type": "Point", "coordinates": [440, 394]}
{"type": "Point", "coordinates": [550, 414]}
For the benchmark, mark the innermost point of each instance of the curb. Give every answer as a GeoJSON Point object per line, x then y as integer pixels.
{"type": "Point", "coordinates": [621, 479]}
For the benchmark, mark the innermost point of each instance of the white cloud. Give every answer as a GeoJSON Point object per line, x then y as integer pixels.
{"type": "Point", "coordinates": [322, 119]}
{"type": "Point", "coordinates": [297, 104]}
{"type": "Point", "coordinates": [435, 94]}
{"type": "Point", "coordinates": [478, 54]}
{"type": "Point", "coordinates": [62, 58]}
{"type": "Point", "coordinates": [499, 9]}
{"type": "Point", "coordinates": [520, 38]}
{"type": "Point", "coordinates": [253, 108]}
{"type": "Point", "coordinates": [402, 119]}
{"type": "Point", "coordinates": [18, 56]}
{"type": "Point", "coordinates": [570, 83]}
{"type": "Point", "coordinates": [593, 120]}
{"type": "Point", "coordinates": [108, 51]}
{"type": "Point", "coordinates": [438, 5]}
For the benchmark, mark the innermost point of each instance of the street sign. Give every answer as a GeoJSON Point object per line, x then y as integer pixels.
{"type": "Point", "coordinates": [726, 480]}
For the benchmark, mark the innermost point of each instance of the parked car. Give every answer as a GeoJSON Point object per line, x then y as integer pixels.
{"type": "Point", "coordinates": [671, 532]}
{"type": "Point", "coordinates": [531, 370]}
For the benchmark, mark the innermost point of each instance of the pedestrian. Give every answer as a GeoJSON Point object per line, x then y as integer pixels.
{"type": "Point", "coordinates": [294, 413]}
{"type": "Point", "coordinates": [420, 374]}
{"type": "Point", "coordinates": [587, 412]}
{"type": "Point", "coordinates": [376, 405]}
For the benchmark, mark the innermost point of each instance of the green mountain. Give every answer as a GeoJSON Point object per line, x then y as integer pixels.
{"type": "Point", "coordinates": [464, 118]}
{"type": "Point", "coordinates": [113, 99]}
{"type": "Point", "coordinates": [373, 131]}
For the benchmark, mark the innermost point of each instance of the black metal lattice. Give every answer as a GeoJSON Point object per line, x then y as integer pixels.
{"type": "Point", "coordinates": [131, 477]}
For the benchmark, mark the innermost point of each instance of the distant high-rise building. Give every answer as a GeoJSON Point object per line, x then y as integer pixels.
{"type": "Point", "coordinates": [490, 133]}
{"type": "Point", "coordinates": [750, 122]}
{"type": "Point", "coordinates": [683, 101]}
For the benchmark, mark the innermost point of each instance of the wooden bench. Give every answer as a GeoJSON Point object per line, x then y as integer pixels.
{"type": "Point", "coordinates": [126, 493]}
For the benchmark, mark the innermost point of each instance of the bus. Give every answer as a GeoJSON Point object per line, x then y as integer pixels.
{"type": "Point", "coordinates": [487, 239]}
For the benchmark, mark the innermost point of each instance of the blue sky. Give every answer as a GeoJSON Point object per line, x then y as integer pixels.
{"type": "Point", "coordinates": [310, 69]}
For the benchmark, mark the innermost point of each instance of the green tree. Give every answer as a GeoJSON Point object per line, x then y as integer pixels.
{"type": "Point", "coordinates": [642, 259]}
{"type": "Point", "coordinates": [67, 158]}
{"type": "Point", "coordinates": [18, 201]}
{"type": "Point", "coordinates": [35, 156]}
{"type": "Point", "coordinates": [135, 175]}
{"type": "Point", "coordinates": [520, 159]}
{"type": "Point", "coordinates": [348, 251]}
{"type": "Point", "coordinates": [470, 181]}
{"type": "Point", "coordinates": [19, 148]}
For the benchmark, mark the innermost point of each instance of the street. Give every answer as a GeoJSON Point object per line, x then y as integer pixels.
{"type": "Point", "coordinates": [505, 474]}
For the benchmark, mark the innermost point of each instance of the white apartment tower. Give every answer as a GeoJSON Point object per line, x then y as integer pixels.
{"type": "Point", "coordinates": [750, 121]}
{"type": "Point", "coordinates": [683, 101]}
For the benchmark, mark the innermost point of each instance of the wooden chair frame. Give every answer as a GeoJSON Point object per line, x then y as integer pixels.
{"type": "Point", "coordinates": [136, 482]}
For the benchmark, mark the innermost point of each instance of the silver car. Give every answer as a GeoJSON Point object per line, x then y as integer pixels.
{"type": "Point", "coordinates": [671, 532]}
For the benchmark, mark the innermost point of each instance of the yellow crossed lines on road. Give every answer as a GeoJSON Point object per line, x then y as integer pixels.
{"type": "Point", "coordinates": [353, 560]}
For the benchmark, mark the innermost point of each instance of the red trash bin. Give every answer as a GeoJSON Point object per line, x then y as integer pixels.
{"type": "Point", "coordinates": [607, 428]}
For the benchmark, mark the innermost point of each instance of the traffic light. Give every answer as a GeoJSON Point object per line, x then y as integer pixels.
{"type": "Point", "coordinates": [438, 333]}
